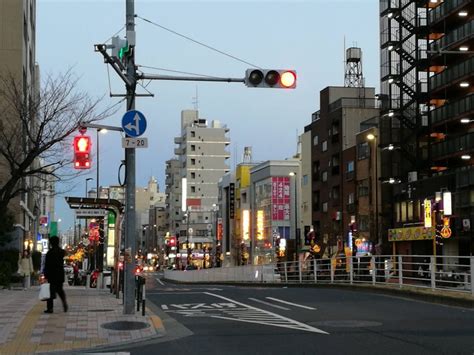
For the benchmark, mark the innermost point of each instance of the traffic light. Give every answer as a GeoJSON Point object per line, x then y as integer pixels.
{"type": "Point", "coordinates": [270, 78]}
{"type": "Point", "coordinates": [82, 149]}
{"type": "Point", "coordinates": [120, 47]}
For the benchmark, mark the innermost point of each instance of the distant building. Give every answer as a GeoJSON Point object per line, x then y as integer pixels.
{"type": "Point", "coordinates": [201, 160]}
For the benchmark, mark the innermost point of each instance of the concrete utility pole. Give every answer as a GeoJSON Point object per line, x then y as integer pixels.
{"type": "Point", "coordinates": [130, 230]}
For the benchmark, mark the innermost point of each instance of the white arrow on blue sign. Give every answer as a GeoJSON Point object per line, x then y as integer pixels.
{"type": "Point", "coordinates": [134, 123]}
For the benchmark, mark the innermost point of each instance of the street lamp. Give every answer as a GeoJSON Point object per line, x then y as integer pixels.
{"type": "Point", "coordinates": [295, 215]}
{"type": "Point", "coordinates": [214, 228]}
{"type": "Point", "coordinates": [103, 131]}
{"type": "Point", "coordinates": [87, 180]}
{"type": "Point", "coordinates": [373, 137]}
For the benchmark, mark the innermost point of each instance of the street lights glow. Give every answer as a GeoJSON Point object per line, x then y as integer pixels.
{"type": "Point", "coordinates": [466, 120]}
{"type": "Point", "coordinates": [465, 157]}
{"type": "Point", "coordinates": [370, 136]}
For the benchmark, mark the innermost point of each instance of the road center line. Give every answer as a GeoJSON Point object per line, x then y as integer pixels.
{"type": "Point", "coordinates": [291, 321]}
{"type": "Point", "coordinates": [269, 304]}
{"type": "Point", "coordinates": [292, 304]}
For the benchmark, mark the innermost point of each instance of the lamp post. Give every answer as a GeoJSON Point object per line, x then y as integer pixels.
{"type": "Point", "coordinates": [87, 180]}
{"type": "Point", "coordinates": [373, 137]}
{"type": "Point", "coordinates": [214, 231]}
{"type": "Point", "coordinates": [295, 215]}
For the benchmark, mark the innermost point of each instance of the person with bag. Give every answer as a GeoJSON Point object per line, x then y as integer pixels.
{"type": "Point", "coordinates": [25, 268]}
{"type": "Point", "coordinates": [54, 273]}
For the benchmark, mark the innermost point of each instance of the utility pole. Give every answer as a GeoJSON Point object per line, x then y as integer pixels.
{"type": "Point", "coordinates": [130, 230]}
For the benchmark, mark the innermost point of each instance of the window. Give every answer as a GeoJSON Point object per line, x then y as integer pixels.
{"type": "Point", "coordinates": [350, 166]}
{"type": "Point", "coordinates": [324, 176]}
{"type": "Point", "coordinates": [363, 151]}
{"type": "Point", "coordinates": [193, 175]}
{"type": "Point", "coordinates": [363, 188]}
{"type": "Point", "coordinates": [363, 223]}
{"type": "Point", "coordinates": [193, 161]}
{"type": "Point", "coordinates": [335, 193]}
{"type": "Point", "coordinates": [305, 180]}
{"type": "Point", "coordinates": [315, 140]}
{"type": "Point", "coordinates": [193, 148]}
{"type": "Point", "coordinates": [325, 206]}
{"type": "Point", "coordinates": [193, 134]}
{"type": "Point", "coordinates": [193, 188]}
{"type": "Point", "coordinates": [316, 201]}
{"type": "Point", "coordinates": [350, 198]}
{"type": "Point", "coordinates": [316, 171]}
{"type": "Point", "coordinates": [324, 146]}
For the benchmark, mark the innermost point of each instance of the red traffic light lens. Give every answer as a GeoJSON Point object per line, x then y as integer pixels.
{"type": "Point", "coordinates": [288, 79]}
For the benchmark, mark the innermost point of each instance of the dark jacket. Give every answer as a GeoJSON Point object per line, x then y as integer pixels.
{"type": "Point", "coordinates": [54, 265]}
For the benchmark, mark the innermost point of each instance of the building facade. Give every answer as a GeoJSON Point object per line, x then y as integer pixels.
{"type": "Point", "coordinates": [427, 80]}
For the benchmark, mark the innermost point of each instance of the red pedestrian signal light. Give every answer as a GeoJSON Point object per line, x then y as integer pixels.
{"type": "Point", "coordinates": [270, 78]}
{"type": "Point", "coordinates": [82, 149]}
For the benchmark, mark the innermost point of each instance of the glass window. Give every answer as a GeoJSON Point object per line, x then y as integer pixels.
{"type": "Point", "coordinates": [193, 134]}
{"type": "Point", "coordinates": [363, 188]}
{"type": "Point", "coordinates": [324, 146]}
{"type": "Point", "coordinates": [363, 151]}
{"type": "Point", "coordinates": [305, 180]}
{"type": "Point", "coordinates": [350, 166]}
{"type": "Point", "coordinates": [324, 176]}
{"type": "Point", "coordinates": [193, 147]}
{"type": "Point", "coordinates": [350, 198]}
{"type": "Point", "coordinates": [316, 140]}
{"type": "Point", "coordinates": [325, 206]}
{"type": "Point", "coordinates": [193, 161]}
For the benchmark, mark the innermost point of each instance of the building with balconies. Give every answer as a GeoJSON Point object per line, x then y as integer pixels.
{"type": "Point", "coordinates": [427, 81]}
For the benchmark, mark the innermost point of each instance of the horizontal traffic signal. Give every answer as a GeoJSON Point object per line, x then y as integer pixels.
{"type": "Point", "coordinates": [270, 78]}
{"type": "Point", "coordinates": [82, 149]}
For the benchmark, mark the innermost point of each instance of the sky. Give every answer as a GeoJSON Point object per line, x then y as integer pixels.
{"type": "Point", "coordinates": [308, 36]}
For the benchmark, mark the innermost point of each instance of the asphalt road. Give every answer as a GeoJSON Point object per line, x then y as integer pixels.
{"type": "Point", "coordinates": [206, 319]}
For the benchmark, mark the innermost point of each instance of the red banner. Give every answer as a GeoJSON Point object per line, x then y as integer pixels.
{"type": "Point", "coordinates": [280, 198]}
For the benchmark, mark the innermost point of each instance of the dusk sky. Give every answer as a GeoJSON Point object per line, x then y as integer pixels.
{"type": "Point", "coordinates": [307, 36]}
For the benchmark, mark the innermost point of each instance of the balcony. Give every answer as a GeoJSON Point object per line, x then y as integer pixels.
{"type": "Point", "coordinates": [452, 74]}
{"type": "Point", "coordinates": [178, 140]}
{"type": "Point", "coordinates": [460, 34]}
{"type": "Point", "coordinates": [454, 146]}
{"type": "Point", "coordinates": [453, 110]}
{"type": "Point", "coordinates": [446, 8]}
{"type": "Point", "coordinates": [178, 151]}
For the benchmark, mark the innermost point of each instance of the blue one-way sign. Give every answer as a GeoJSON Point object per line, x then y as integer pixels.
{"type": "Point", "coordinates": [134, 123]}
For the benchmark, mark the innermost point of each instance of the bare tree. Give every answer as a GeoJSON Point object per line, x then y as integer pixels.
{"type": "Point", "coordinates": [35, 124]}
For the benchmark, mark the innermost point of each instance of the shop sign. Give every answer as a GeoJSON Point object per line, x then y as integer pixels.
{"type": "Point", "coordinates": [427, 204]}
{"type": "Point", "coordinates": [411, 233]}
{"type": "Point", "coordinates": [446, 230]}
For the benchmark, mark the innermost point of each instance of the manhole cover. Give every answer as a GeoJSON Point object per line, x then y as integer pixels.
{"type": "Point", "coordinates": [346, 323]}
{"type": "Point", "coordinates": [125, 325]}
{"type": "Point", "coordinates": [100, 310]}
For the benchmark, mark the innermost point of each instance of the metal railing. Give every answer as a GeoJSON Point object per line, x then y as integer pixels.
{"type": "Point", "coordinates": [453, 273]}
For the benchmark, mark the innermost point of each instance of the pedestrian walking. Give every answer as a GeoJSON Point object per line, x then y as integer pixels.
{"type": "Point", "coordinates": [54, 273]}
{"type": "Point", "coordinates": [25, 268]}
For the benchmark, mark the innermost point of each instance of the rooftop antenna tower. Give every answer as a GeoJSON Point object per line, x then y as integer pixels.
{"type": "Point", "coordinates": [353, 77]}
{"type": "Point", "coordinates": [196, 100]}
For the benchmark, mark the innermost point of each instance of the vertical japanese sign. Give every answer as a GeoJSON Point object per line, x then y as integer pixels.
{"type": "Point", "coordinates": [260, 225]}
{"type": "Point", "coordinates": [427, 204]}
{"type": "Point", "coordinates": [280, 198]}
{"type": "Point", "coordinates": [231, 200]}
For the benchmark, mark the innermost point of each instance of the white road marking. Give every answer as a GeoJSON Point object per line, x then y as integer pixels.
{"type": "Point", "coordinates": [290, 323]}
{"type": "Point", "coordinates": [164, 306]}
{"type": "Point", "coordinates": [269, 304]}
{"type": "Point", "coordinates": [290, 303]}
{"type": "Point", "coordinates": [161, 282]}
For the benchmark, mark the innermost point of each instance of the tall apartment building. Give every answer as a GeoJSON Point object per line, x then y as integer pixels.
{"type": "Point", "coordinates": [17, 58]}
{"type": "Point", "coordinates": [333, 135]}
{"type": "Point", "coordinates": [201, 159]}
{"type": "Point", "coordinates": [427, 80]}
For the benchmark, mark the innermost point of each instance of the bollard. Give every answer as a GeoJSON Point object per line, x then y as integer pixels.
{"type": "Point", "coordinates": [143, 300]}
{"type": "Point", "coordinates": [88, 281]}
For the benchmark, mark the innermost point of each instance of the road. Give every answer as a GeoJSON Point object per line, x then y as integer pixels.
{"type": "Point", "coordinates": [207, 319]}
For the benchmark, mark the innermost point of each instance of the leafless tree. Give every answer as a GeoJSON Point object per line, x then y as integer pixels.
{"type": "Point", "coordinates": [35, 124]}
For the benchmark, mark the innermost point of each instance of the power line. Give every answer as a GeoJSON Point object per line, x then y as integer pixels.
{"type": "Point", "coordinates": [197, 42]}
{"type": "Point", "coordinates": [116, 33]}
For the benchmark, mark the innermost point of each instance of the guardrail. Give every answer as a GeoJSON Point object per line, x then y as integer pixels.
{"type": "Point", "coordinates": [454, 273]}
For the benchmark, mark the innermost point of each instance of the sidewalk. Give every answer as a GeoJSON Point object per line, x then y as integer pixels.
{"type": "Point", "coordinates": [95, 319]}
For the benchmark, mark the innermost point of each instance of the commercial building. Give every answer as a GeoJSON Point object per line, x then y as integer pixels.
{"type": "Point", "coordinates": [333, 135]}
{"type": "Point", "coordinates": [427, 80]}
{"type": "Point", "coordinates": [201, 160]}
